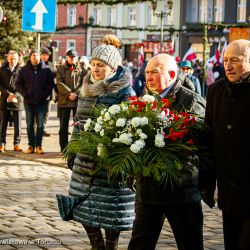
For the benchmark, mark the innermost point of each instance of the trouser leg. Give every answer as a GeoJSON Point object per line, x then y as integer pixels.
{"type": "Point", "coordinates": [112, 238]}
{"type": "Point", "coordinates": [17, 120]}
{"type": "Point", "coordinates": [95, 237]}
{"type": "Point", "coordinates": [4, 118]}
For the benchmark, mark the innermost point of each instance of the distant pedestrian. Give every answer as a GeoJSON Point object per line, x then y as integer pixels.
{"type": "Point", "coordinates": [69, 79]}
{"type": "Point", "coordinates": [139, 84]}
{"type": "Point", "coordinates": [35, 82]}
{"type": "Point", "coordinates": [11, 102]}
{"type": "Point", "coordinates": [187, 68]}
{"type": "Point", "coordinates": [45, 54]}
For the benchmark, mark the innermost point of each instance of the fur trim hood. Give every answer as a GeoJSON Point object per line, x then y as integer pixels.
{"type": "Point", "coordinates": [121, 79]}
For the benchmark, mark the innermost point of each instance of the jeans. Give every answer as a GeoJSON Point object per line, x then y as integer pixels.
{"type": "Point", "coordinates": [64, 116]}
{"type": "Point", "coordinates": [17, 120]}
{"type": "Point", "coordinates": [35, 113]}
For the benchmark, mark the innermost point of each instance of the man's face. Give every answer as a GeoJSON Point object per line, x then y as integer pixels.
{"type": "Point", "coordinates": [157, 77]}
{"type": "Point", "coordinates": [35, 58]}
{"type": "Point", "coordinates": [236, 62]}
{"type": "Point", "coordinates": [71, 59]}
{"type": "Point", "coordinates": [12, 60]}
{"type": "Point", "coordinates": [44, 57]}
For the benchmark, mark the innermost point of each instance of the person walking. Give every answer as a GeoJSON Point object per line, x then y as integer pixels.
{"type": "Point", "coordinates": [181, 204]}
{"type": "Point", "coordinates": [104, 206]}
{"type": "Point", "coordinates": [228, 101]}
{"type": "Point", "coordinates": [69, 78]}
{"type": "Point", "coordinates": [11, 102]}
{"type": "Point", "coordinates": [35, 82]}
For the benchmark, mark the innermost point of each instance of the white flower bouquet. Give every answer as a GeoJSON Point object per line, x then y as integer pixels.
{"type": "Point", "coordinates": [142, 136]}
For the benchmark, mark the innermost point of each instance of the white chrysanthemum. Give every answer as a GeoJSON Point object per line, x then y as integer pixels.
{"type": "Point", "coordinates": [98, 127]}
{"type": "Point", "coordinates": [102, 132]}
{"type": "Point", "coordinates": [107, 116]}
{"type": "Point", "coordinates": [140, 143]}
{"type": "Point", "coordinates": [120, 122]}
{"type": "Point", "coordinates": [116, 140]}
{"type": "Point", "coordinates": [126, 138]}
{"type": "Point", "coordinates": [159, 141]}
{"type": "Point", "coordinates": [135, 148]}
{"type": "Point", "coordinates": [124, 107]}
{"type": "Point", "coordinates": [114, 109]}
{"type": "Point", "coordinates": [136, 121]}
{"type": "Point", "coordinates": [144, 120]}
{"type": "Point", "coordinates": [148, 98]}
{"type": "Point", "coordinates": [100, 149]}
{"type": "Point", "coordinates": [139, 131]}
{"type": "Point", "coordinates": [87, 124]}
{"type": "Point", "coordinates": [99, 119]}
{"type": "Point", "coordinates": [143, 136]}
{"type": "Point", "coordinates": [103, 111]}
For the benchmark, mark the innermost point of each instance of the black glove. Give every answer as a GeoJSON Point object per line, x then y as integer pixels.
{"type": "Point", "coordinates": [131, 183]}
{"type": "Point", "coordinates": [207, 196]}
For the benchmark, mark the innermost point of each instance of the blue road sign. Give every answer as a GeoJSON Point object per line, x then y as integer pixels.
{"type": "Point", "coordinates": [39, 15]}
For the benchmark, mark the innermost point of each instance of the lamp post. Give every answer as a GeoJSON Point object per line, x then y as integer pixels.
{"type": "Point", "coordinates": [204, 59]}
{"type": "Point", "coordinates": [162, 14]}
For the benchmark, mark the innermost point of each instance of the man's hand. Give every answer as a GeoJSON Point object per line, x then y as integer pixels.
{"type": "Point", "coordinates": [12, 98]}
{"type": "Point", "coordinates": [208, 197]}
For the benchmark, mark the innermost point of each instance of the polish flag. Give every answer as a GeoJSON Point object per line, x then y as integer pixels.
{"type": "Point", "coordinates": [217, 53]}
{"type": "Point", "coordinates": [190, 55]}
{"type": "Point", "coordinates": [172, 48]}
{"type": "Point", "coordinates": [156, 52]}
{"type": "Point", "coordinates": [223, 51]}
{"type": "Point", "coordinates": [141, 55]}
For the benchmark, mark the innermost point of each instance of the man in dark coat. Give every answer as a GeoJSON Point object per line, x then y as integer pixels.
{"type": "Point", "coordinates": [35, 82]}
{"type": "Point", "coordinates": [227, 114]}
{"type": "Point", "coordinates": [180, 205]}
{"type": "Point", "coordinates": [11, 102]}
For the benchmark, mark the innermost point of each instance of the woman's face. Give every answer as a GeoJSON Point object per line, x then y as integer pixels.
{"type": "Point", "coordinates": [100, 70]}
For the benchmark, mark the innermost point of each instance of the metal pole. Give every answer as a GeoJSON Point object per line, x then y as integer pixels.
{"type": "Point", "coordinates": [204, 60]}
{"type": "Point", "coordinates": [161, 44]}
{"type": "Point", "coordinates": [38, 41]}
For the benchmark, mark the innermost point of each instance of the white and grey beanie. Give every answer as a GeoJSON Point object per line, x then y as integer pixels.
{"type": "Point", "coordinates": [108, 54]}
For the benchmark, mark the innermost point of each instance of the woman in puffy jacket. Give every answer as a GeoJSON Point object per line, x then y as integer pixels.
{"type": "Point", "coordinates": [102, 205]}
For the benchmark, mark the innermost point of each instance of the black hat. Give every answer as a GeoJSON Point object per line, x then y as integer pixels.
{"type": "Point", "coordinates": [33, 51]}
{"type": "Point", "coordinates": [71, 53]}
{"type": "Point", "coordinates": [45, 51]}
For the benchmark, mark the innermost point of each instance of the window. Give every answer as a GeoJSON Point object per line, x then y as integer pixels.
{"type": "Point", "coordinates": [192, 11]}
{"type": "Point", "coordinates": [152, 19]}
{"type": "Point", "coordinates": [132, 16]}
{"type": "Point", "coordinates": [111, 16]}
{"type": "Point", "coordinates": [241, 11]}
{"type": "Point", "coordinates": [71, 44]}
{"type": "Point", "coordinates": [219, 10]}
{"type": "Point", "coordinates": [97, 16]}
{"type": "Point", "coordinates": [71, 15]}
{"type": "Point", "coordinates": [206, 11]}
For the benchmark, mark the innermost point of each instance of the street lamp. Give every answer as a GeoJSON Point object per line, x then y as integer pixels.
{"type": "Point", "coordinates": [162, 14]}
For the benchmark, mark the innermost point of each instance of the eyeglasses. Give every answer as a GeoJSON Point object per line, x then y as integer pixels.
{"type": "Point", "coordinates": [185, 68]}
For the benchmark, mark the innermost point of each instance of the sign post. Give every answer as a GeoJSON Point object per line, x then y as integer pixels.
{"type": "Point", "coordinates": [39, 16]}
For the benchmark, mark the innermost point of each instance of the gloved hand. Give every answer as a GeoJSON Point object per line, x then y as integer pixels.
{"type": "Point", "coordinates": [208, 197]}
{"type": "Point", "coordinates": [131, 183]}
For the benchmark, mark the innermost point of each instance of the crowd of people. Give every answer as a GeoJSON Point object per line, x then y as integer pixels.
{"type": "Point", "coordinates": [79, 86]}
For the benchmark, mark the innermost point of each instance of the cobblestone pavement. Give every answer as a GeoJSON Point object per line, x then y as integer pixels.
{"type": "Point", "coordinates": [29, 217]}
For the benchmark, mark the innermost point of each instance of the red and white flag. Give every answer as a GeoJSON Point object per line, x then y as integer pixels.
{"type": "Point", "coordinates": [156, 52]}
{"type": "Point", "coordinates": [223, 51]}
{"type": "Point", "coordinates": [190, 55]}
{"type": "Point", "coordinates": [141, 55]}
{"type": "Point", "coordinates": [172, 47]}
{"type": "Point", "coordinates": [217, 53]}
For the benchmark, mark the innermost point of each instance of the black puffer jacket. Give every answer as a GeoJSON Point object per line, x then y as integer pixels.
{"type": "Point", "coordinates": [150, 191]}
{"type": "Point", "coordinates": [227, 114]}
{"type": "Point", "coordinates": [105, 206]}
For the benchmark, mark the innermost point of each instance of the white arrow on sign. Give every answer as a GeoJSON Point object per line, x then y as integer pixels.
{"type": "Point", "coordinates": [39, 9]}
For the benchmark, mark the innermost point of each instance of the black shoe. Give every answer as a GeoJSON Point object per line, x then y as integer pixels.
{"type": "Point", "coordinates": [46, 134]}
